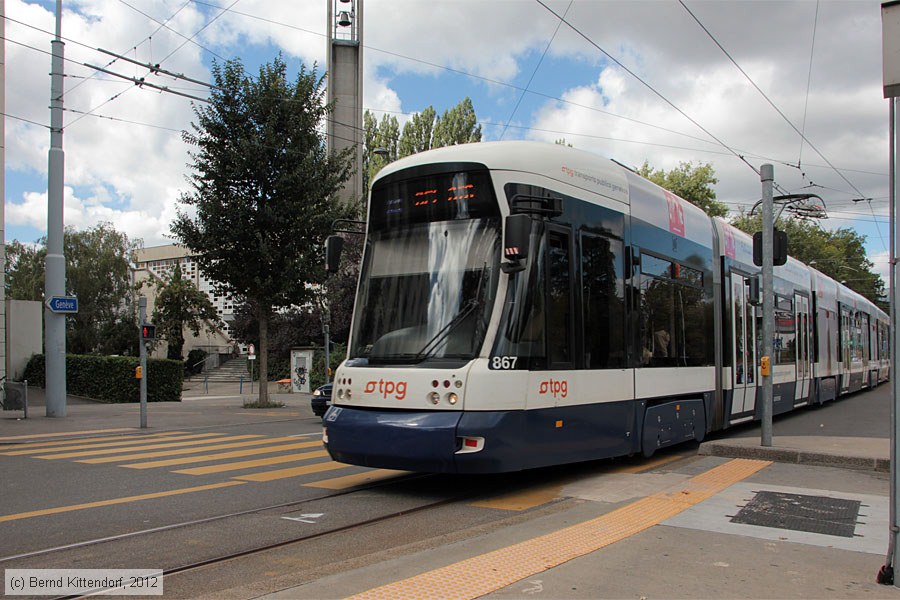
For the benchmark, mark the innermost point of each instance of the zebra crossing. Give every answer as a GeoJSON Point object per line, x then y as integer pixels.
{"type": "Point", "coordinates": [223, 460]}
{"type": "Point", "coordinates": [238, 457]}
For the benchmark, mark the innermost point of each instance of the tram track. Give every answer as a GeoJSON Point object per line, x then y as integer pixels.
{"type": "Point", "coordinates": [261, 549]}
{"type": "Point", "coordinates": [418, 494]}
{"type": "Point", "coordinates": [205, 520]}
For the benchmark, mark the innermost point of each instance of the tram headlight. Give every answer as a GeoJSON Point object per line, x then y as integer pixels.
{"type": "Point", "coordinates": [340, 393]}
{"type": "Point", "coordinates": [452, 398]}
{"type": "Point", "coordinates": [434, 397]}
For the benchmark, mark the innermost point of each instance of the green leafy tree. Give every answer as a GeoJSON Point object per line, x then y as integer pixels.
{"type": "Point", "coordinates": [24, 271]}
{"type": "Point", "coordinates": [458, 125]}
{"type": "Point", "coordinates": [840, 254]}
{"type": "Point", "coordinates": [179, 306]}
{"type": "Point", "coordinates": [261, 203]}
{"type": "Point", "coordinates": [382, 144]}
{"type": "Point", "coordinates": [418, 133]}
{"type": "Point", "coordinates": [694, 184]}
{"type": "Point", "coordinates": [98, 272]}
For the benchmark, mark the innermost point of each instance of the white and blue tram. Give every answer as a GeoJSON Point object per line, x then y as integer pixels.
{"type": "Point", "coordinates": [523, 305]}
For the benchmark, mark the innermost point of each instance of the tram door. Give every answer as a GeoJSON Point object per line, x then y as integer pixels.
{"type": "Point", "coordinates": [846, 347]}
{"type": "Point", "coordinates": [803, 343]}
{"type": "Point", "coordinates": [743, 374]}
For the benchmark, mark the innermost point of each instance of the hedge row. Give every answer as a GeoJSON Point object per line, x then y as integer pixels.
{"type": "Point", "coordinates": [111, 378]}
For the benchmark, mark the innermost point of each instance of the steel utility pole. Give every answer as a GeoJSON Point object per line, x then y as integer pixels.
{"type": "Point", "coordinates": [3, 353]}
{"type": "Point", "coordinates": [55, 274]}
{"type": "Point", "coordinates": [890, 41]}
{"type": "Point", "coordinates": [142, 316]}
{"type": "Point", "coordinates": [767, 177]}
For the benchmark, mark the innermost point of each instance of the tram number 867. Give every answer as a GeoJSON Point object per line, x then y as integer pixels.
{"type": "Point", "coordinates": [503, 363]}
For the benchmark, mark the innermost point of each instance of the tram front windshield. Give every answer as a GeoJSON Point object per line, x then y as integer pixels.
{"type": "Point", "coordinates": [429, 273]}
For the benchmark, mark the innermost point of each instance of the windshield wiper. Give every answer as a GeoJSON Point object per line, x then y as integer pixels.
{"type": "Point", "coordinates": [447, 329]}
{"type": "Point", "coordinates": [471, 306]}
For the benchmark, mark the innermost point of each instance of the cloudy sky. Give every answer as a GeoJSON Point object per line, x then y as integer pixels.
{"type": "Point", "coordinates": [736, 84]}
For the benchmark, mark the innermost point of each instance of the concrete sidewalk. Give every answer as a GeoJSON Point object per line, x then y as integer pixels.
{"type": "Point", "coordinates": [871, 454]}
{"type": "Point", "coordinates": [201, 406]}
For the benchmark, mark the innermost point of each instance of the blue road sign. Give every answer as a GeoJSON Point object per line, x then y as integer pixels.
{"type": "Point", "coordinates": [63, 304]}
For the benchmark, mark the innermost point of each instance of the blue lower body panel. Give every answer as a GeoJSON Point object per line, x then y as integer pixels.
{"type": "Point", "coordinates": [410, 441]}
{"type": "Point", "coordinates": [428, 441]}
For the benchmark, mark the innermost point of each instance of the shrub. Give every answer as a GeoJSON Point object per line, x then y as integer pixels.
{"type": "Point", "coordinates": [111, 378]}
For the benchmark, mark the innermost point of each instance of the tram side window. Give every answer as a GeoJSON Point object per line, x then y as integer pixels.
{"type": "Point", "coordinates": [858, 337]}
{"type": "Point", "coordinates": [521, 331]}
{"type": "Point", "coordinates": [559, 312]}
{"type": "Point", "coordinates": [673, 320]}
{"type": "Point", "coordinates": [785, 343]}
{"type": "Point", "coordinates": [846, 345]}
{"type": "Point", "coordinates": [603, 302]}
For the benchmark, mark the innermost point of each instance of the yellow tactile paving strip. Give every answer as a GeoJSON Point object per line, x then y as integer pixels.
{"type": "Point", "coordinates": [536, 496]}
{"type": "Point", "coordinates": [489, 572]}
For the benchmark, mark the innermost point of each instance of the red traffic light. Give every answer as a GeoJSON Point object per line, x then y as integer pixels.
{"type": "Point", "coordinates": [148, 332]}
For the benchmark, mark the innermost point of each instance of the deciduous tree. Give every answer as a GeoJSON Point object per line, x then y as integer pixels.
{"type": "Point", "coordinates": [458, 125]}
{"type": "Point", "coordinates": [264, 187]}
{"type": "Point", "coordinates": [98, 272]}
{"type": "Point", "coordinates": [381, 136]}
{"type": "Point", "coordinates": [418, 133]}
{"type": "Point", "coordinates": [694, 184]}
{"type": "Point", "coordinates": [180, 305]}
{"type": "Point", "coordinates": [840, 254]}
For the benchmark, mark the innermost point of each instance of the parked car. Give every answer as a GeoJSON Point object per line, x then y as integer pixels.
{"type": "Point", "coordinates": [321, 400]}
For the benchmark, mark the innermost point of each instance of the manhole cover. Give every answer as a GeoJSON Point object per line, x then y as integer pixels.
{"type": "Point", "coordinates": [814, 514]}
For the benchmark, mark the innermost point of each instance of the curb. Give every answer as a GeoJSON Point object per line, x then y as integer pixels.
{"type": "Point", "coordinates": [795, 456]}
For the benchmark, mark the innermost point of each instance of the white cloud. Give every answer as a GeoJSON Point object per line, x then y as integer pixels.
{"type": "Point", "coordinates": [845, 114]}
{"type": "Point", "coordinates": [130, 170]}
{"type": "Point", "coordinates": [132, 175]}
{"type": "Point", "coordinates": [882, 265]}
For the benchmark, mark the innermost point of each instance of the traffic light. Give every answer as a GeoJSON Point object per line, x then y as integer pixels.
{"type": "Point", "coordinates": [779, 248]}
{"type": "Point", "coordinates": [148, 332]}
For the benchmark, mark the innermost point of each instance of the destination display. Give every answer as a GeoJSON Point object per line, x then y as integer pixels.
{"type": "Point", "coordinates": [445, 197]}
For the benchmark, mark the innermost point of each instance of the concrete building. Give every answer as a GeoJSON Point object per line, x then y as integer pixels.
{"type": "Point", "coordinates": [154, 265]}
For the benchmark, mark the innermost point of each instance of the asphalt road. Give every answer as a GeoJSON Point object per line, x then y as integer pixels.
{"type": "Point", "coordinates": [53, 498]}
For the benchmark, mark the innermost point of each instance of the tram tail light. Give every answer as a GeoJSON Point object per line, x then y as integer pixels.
{"type": "Point", "coordinates": [468, 445]}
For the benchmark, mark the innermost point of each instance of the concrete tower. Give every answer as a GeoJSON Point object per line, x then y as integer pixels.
{"type": "Point", "coordinates": [345, 81]}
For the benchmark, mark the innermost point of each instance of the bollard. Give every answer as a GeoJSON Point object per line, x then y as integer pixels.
{"type": "Point", "coordinates": [241, 389]}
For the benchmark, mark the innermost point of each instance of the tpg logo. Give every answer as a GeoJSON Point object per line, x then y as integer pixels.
{"type": "Point", "coordinates": [554, 387]}
{"type": "Point", "coordinates": [387, 388]}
